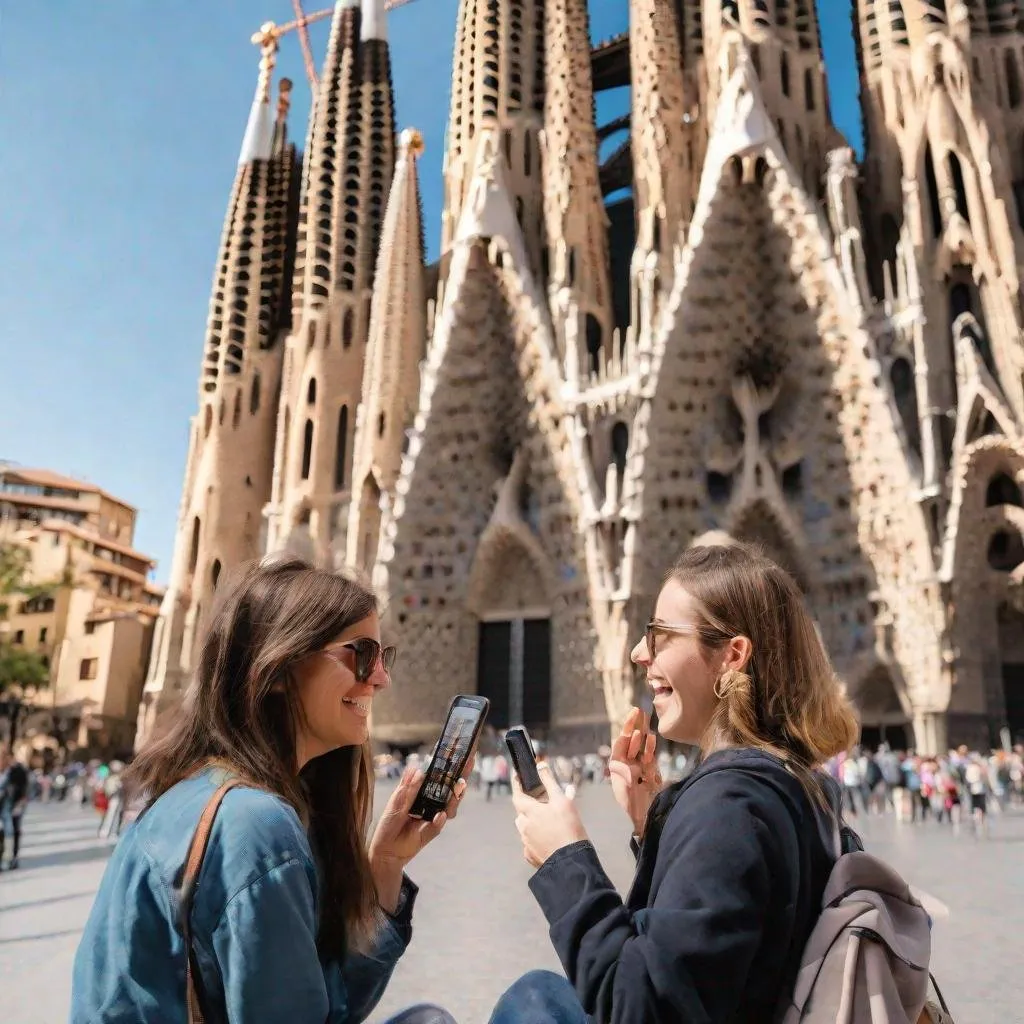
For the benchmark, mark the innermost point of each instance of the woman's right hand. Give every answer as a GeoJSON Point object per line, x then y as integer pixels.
{"type": "Point", "coordinates": [634, 775]}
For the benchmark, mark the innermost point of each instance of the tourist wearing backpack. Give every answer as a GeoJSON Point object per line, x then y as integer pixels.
{"type": "Point", "coordinates": [732, 863]}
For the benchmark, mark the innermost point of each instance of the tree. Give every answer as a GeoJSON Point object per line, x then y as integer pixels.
{"type": "Point", "coordinates": [19, 669]}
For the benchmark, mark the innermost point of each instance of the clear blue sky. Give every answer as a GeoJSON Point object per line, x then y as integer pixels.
{"type": "Point", "coordinates": [122, 122]}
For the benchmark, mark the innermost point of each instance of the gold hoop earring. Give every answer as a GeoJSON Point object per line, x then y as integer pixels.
{"type": "Point", "coordinates": [725, 682]}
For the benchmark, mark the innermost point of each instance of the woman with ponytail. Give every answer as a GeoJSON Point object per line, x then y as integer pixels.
{"type": "Point", "coordinates": [733, 861]}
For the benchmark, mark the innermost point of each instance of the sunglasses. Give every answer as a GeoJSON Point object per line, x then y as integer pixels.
{"type": "Point", "coordinates": [367, 651]}
{"type": "Point", "coordinates": [678, 629]}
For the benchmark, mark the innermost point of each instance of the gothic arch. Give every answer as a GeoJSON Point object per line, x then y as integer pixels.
{"type": "Point", "coordinates": [760, 525]}
{"type": "Point", "coordinates": [880, 694]}
{"type": "Point", "coordinates": [510, 573]}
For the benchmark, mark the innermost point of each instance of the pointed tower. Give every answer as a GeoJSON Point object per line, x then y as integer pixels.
{"type": "Point", "coordinates": [941, 83]}
{"type": "Point", "coordinates": [579, 290]}
{"type": "Point", "coordinates": [497, 81]}
{"type": "Point", "coordinates": [347, 178]}
{"type": "Point", "coordinates": [391, 380]}
{"type": "Point", "coordinates": [784, 41]}
{"type": "Point", "coordinates": [231, 441]}
{"type": "Point", "coordinates": [665, 176]}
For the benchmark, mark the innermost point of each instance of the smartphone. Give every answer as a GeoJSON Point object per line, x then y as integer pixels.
{"type": "Point", "coordinates": [466, 718]}
{"type": "Point", "coordinates": [524, 761]}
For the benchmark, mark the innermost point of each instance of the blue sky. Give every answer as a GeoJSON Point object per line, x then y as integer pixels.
{"type": "Point", "coordinates": [122, 123]}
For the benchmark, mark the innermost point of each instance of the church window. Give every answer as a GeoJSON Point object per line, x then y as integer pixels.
{"type": "Point", "coordinates": [620, 446]}
{"type": "Point", "coordinates": [527, 154]}
{"type": "Point", "coordinates": [1005, 550]}
{"type": "Point", "coordinates": [254, 396]}
{"type": "Point", "coordinates": [193, 557]}
{"type": "Point", "coordinates": [207, 420]}
{"type": "Point", "coordinates": [904, 390]}
{"type": "Point", "coordinates": [595, 341]}
{"type": "Point", "coordinates": [307, 449]}
{"type": "Point", "coordinates": [957, 175]}
{"type": "Point", "coordinates": [932, 188]}
{"type": "Point", "coordinates": [347, 328]}
{"type": "Point", "coordinates": [236, 413]}
{"type": "Point", "coordinates": [215, 573]}
{"type": "Point", "coordinates": [1003, 490]}
{"type": "Point", "coordinates": [809, 89]}
{"type": "Point", "coordinates": [793, 480]}
{"type": "Point", "coordinates": [341, 449]}
{"type": "Point", "coordinates": [571, 268]}
{"type": "Point", "coordinates": [784, 73]}
{"type": "Point", "coordinates": [719, 486]}
{"type": "Point", "coordinates": [311, 392]}
{"type": "Point", "coordinates": [381, 425]}
{"type": "Point", "coordinates": [1013, 90]}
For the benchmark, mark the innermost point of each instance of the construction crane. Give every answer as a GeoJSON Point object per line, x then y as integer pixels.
{"type": "Point", "coordinates": [269, 35]}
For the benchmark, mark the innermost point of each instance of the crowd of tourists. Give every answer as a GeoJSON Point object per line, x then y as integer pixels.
{"type": "Point", "coordinates": [961, 784]}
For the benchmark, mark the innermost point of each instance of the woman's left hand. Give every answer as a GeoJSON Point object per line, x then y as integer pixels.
{"type": "Point", "coordinates": [545, 827]}
{"type": "Point", "coordinates": [397, 837]}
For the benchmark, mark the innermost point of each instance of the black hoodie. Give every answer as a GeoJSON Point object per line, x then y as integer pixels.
{"type": "Point", "coordinates": [728, 886]}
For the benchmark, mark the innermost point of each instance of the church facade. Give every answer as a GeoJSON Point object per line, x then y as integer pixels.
{"type": "Point", "coordinates": [723, 326]}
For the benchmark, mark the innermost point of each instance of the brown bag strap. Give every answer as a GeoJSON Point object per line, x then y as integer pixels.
{"type": "Point", "coordinates": [196, 851]}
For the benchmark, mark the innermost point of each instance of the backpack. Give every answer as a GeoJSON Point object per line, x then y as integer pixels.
{"type": "Point", "coordinates": [866, 961]}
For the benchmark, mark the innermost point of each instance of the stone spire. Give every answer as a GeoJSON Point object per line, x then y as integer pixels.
{"type": "Point", "coordinates": [574, 217]}
{"type": "Point", "coordinates": [336, 98]}
{"type": "Point", "coordinates": [347, 179]}
{"type": "Point", "coordinates": [664, 179]}
{"type": "Point", "coordinates": [396, 345]}
{"type": "Point", "coordinates": [497, 81]}
{"type": "Point", "coordinates": [231, 441]}
{"type": "Point", "coordinates": [784, 41]}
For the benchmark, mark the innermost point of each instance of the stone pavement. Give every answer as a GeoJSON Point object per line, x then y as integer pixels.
{"type": "Point", "coordinates": [478, 928]}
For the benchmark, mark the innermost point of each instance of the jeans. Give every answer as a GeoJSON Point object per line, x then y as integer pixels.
{"type": "Point", "coordinates": [540, 997]}
{"type": "Point", "coordinates": [422, 1014]}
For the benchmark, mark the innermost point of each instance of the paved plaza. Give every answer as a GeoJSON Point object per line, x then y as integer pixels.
{"type": "Point", "coordinates": [478, 928]}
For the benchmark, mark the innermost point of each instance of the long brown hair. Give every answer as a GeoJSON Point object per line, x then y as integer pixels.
{"type": "Point", "coordinates": [788, 700]}
{"type": "Point", "coordinates": [242, 712]}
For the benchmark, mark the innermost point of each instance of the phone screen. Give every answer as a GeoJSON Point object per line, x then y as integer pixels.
{"type": "Point", "coordinates": [524, 761]}
{"type": "Point", "coordinates": [458, 737]}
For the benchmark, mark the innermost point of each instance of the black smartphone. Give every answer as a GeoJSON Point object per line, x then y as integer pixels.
{"type": "Point", "coordinates": [466, 718]}
{"type": "Point", "coordinates": [524, 761]}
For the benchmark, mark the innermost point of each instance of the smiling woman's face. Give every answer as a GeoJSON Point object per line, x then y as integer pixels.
{"type": "Point", "coordinates": [335, 705]}
{"type": "Point", "coordinates": [680, 673]}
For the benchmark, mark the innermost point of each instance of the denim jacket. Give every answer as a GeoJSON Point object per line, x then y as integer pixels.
{"type": "Point", "coordinates": [254, 922]}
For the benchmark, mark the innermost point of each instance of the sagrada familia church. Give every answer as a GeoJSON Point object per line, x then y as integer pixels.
{"type": "Point", "coordinates": [724, 326]}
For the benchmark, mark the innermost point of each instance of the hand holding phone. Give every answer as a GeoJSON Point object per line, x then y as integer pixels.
{"type": "Point", "coordinates": [458, 740]}
{"type": "Point", "coordinates": [524, 762]}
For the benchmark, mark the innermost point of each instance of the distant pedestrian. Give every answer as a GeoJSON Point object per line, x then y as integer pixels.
{"type": "Point", "coordinates": [13, 798]}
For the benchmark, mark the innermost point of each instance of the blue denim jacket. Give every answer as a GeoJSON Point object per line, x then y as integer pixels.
{"type": "Point", "coordinates": [254, 922]}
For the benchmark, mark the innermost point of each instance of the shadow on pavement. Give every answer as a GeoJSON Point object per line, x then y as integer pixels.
{"type": "Point", "coordinates": [45, 935]}
{"type": "Point", "coordinates": [7, 907]}
{"type": "Point", "coordinates": [60, 858]}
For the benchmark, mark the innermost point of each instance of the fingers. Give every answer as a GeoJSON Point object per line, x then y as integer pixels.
{"type": "Point", "coordinates": [520, 801]}
{"type": "Point", "coordinates": [621, 771]}
{"type": "Point", "coordinates": [405, 792]}
{"type": "Point", "coordinates": [459, 792]}
{"type": "Point", "coordinates": [636, 742]}
{"type": "Point", "coordinates": [547, 776]}
{"type": "Point", "coordinates": [430, 830]}
{"type": "Point", "coordinates": [648, 754]}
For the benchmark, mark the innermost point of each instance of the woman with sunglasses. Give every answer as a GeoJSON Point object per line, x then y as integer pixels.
{"type": "Point", "coordinates": [733, 861]}
{"type": "Point", "coordinates": [294, 918]}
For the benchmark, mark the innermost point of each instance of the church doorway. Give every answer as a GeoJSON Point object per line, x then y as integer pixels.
{"type": "Point", "coordinates": [514, 672]}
